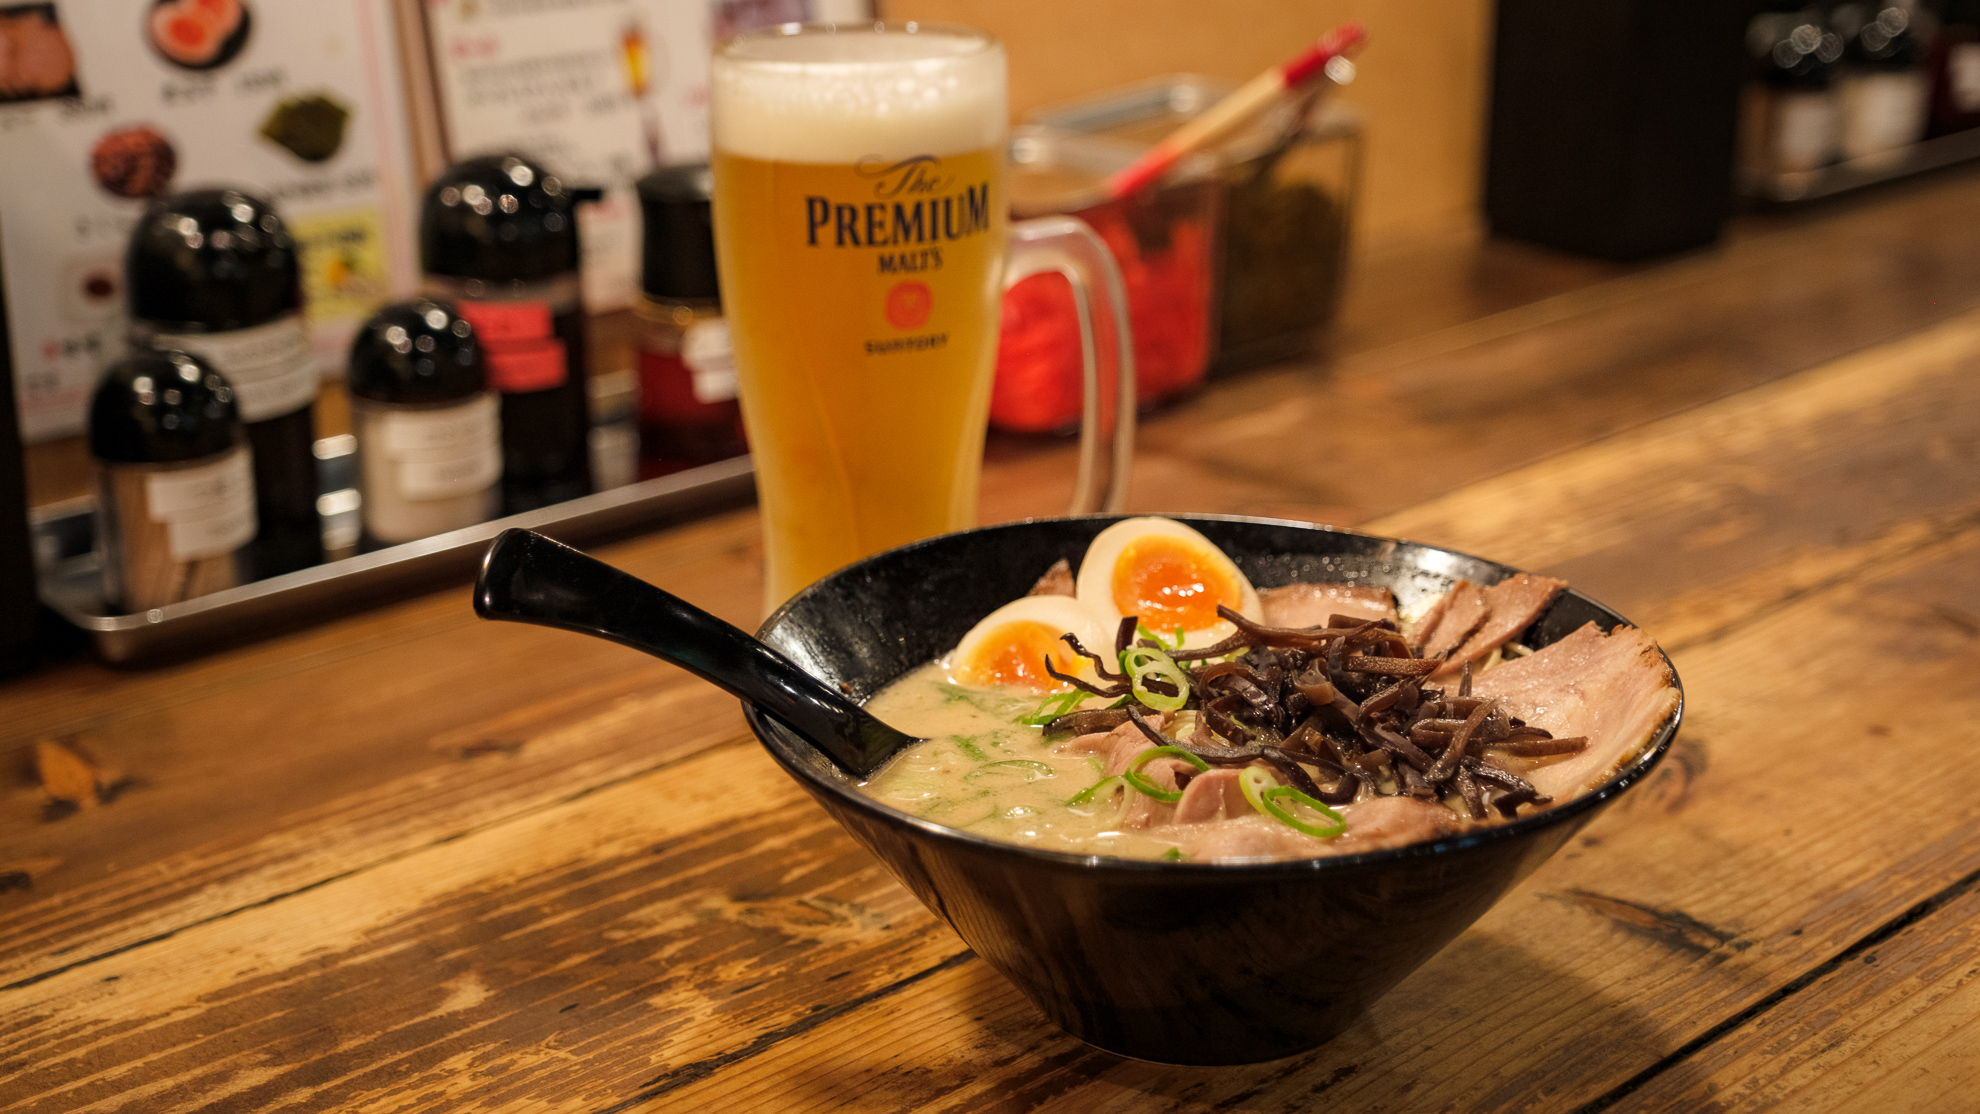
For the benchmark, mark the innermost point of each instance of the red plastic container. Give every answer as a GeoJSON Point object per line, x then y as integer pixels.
{"type": "Point", "coordinates": [1165, 242]}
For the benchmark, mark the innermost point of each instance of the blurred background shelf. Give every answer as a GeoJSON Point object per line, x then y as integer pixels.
{"type": "Point", "coordinates": [1841, 177]}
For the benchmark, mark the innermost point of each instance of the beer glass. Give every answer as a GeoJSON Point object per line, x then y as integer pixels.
{"type": "Point", "coordinates": [863, 244]}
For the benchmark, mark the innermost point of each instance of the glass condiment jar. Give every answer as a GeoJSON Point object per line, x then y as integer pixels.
{"type": "Point", "coordinates": [175, 480]}
{"type": "Point", "coordinates": [1164, 241]}
{"type": "Point", "coordinates": [1290, 179]}
{"type": "Point", "coordinates": [214, 272]}
{"type": "Point", "coordinates": [429, 439]}
{"type": "Point", "coordinates": [499, 240]}
{"type": "Point", "coordinates": [688, 414]}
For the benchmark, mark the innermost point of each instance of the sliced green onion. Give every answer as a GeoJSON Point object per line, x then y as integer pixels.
{"type": "Point", "coordinates": [1142, 629]}
{"type": "Point", "coordinates": [1264, 792]}
{"type": "Point", "coordinates": [1030, 767]}
{"type": "Point", "coordinates": [1140, 784]}
{"type": "Point", "coordinates": [1086, 795]}
{"type": "Point", "coordinates": [1140, 662]}
{"type": "Point", "coordinates": [1172, 855]}
{"type": "Point", "coordinates": [1054, 707]}
{"type": "Point", "coordinates": [967, 744]}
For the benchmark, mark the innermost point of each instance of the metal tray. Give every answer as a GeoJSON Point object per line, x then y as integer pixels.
{"type": "Point", "coordinates": [1789, 187]}
{"type": "Point", "coordinates": [70, 579]}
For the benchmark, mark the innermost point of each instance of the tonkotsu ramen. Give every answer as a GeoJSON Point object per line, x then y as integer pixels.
{"type": "Point", "coordinates": [1158, 706]}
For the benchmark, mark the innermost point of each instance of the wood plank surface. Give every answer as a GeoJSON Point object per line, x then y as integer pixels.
{"type": "Point", "coordinates": [462, 901]}
{"type": "Point", "coordinates": [410, 860]}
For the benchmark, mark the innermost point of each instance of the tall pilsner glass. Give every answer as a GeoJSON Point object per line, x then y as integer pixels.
{"type": "Point", "coordinates": [860, 228]}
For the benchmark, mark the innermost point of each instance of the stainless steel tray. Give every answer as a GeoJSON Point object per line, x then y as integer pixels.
{"type": "Point", "coordinates": [1788, 187]}
{"type": "Point", "coordinates": [71, 582]}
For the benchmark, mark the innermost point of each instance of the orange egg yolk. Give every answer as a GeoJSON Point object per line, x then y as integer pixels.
{"type": "Point", "coordinates": [1015, 654]}
{"type": "Point", "coordinates": [1170, 583]}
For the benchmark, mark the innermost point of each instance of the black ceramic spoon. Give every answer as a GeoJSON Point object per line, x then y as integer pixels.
{"type": "Point", "coordinates": [527, 578]}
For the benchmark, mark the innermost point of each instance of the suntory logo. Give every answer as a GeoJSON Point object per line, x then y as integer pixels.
{"type": "Point", "coordinates": [914, 202]}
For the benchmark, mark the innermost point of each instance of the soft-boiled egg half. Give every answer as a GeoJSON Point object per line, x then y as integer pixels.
{"type": "Point", "coordinates": [1169, 575]}
{"type": "Point", "coordinates": [1012, 644]}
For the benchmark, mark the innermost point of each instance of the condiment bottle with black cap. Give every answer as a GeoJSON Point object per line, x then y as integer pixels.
{"type": "Point", "coordinates": [499, 239]}
{"type": "Point", "coordinates": [688, 413]}
{"type": "Point", "coordinates": [1883, 92]}
{"type": "Point", "coordinates": [214, 272]}
{"type": "Point", "coordinates": [175, 480]}
{"type": "Point", "coordinates": [1790, 112]}
{"type": "Point", "coordinates": [429, 438]}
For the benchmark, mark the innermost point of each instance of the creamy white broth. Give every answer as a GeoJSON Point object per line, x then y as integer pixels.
{"type": "Point", "coordinates": [982, 772]}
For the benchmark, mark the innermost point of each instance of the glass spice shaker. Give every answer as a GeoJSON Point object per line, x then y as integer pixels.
{"type": "Point", "coordinates": [175, 480]}
{"type": "Point", "coordinates": [688, 414]}
{"type": "Point", "coordinates": [214, 272]}
{"type": "Point", "coordinates": [429, 438]}
{"type": "Point", "coordinates": [499, 239]}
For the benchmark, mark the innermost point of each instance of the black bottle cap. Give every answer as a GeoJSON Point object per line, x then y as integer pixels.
{"type": "Point", "coordinates": [162, 407]}
{"type": "Point", "coordinates": [679, 260]}
{"type": "Point", "coordinates": [1880, 37]}
{"type": "Point", "coordinates": [211, 261]}
{"type": "Point", "coordinates": [416, 352]}
{"type": "Point", "coordinates": [498, 218]}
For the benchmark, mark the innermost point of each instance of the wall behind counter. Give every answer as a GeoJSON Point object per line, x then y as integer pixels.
{"type": "Point", "coordinates": [1422, 83]}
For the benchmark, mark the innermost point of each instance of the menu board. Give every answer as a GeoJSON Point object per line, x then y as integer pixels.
{"type": "Point", "coordinates": [105, 104]}
{"type": "Point", "coordinates": [598, 91]}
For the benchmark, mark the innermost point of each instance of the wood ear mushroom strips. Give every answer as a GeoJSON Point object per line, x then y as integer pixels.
{"type": "Point", "coordinates": [1314, 729]}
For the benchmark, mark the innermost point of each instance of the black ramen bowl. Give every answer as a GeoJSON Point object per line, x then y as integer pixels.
{"type": "Point", "coordinates": [1183, 963]}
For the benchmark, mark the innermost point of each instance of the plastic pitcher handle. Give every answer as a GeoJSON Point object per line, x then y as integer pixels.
{"type": "Point", "coordinates": [1069, 247]}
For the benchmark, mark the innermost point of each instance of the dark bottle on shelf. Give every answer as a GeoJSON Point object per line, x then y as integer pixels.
{"type": "Point", "coordinates": [499, 239]}
{"type": "Point", "coordinates": [214, 272]}
{"type": "Point", "coordinates": [1790, 117]}
{"type": "Point", "coordinates": [1954, 70]}
{"type": "Point", "coordinates": [688, 413]}
{"type": "Point", "coordinates": [429, 439]}
{"type": "Point", "coordinates": [175, 481]}
{"type": "Point", "coordinates": [1883, 89]}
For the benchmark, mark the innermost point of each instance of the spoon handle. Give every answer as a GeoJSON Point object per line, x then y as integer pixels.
{"type": "Point", "coordinates": [528, 578]}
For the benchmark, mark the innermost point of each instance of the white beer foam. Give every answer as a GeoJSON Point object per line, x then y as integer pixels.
{"type": "Point", "coordinates": [857, 94]}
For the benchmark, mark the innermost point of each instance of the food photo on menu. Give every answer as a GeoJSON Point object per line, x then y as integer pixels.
{"type": "Point", "coordinates": [913, 555]}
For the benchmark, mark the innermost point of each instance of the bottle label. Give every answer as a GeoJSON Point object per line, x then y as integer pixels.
{"type": "Point", "coordinates": [439, 454]}
{"type": "Point", "coordinates": [1805, 132]}
{"type": "Point", "coordinates": [1963, 76]}
{"type": "Point", "coordinates": [1882, 112]}
{"type": "Point", "coordinates": [269, 365]}
{"type": "Point", "coordinates": [706, 351]}
{"type": "Point", "coordinates": [208, 511]}
{"type": "Point", "coordinates": [522, 352]}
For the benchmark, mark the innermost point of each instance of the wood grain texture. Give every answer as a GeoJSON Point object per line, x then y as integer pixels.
{"type": "Point", "coordinates": [1888, 1025]}
{"type": "Point", "coordinates": [1654, 927]}
{"type": "Point", "coordinates": [409, 860]}
{"type": "Point", "coordinates": [1656, 903]}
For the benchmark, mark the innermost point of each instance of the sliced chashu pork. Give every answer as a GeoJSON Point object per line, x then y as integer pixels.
{"type": "Point", "coordinates": [1057, 581]}
{"type": "Point", "coordinates": [1372, 825]}
{"type": "Point", "coordinates": [1311, 605]}
{"type": "Point", "coordinates": [1451, 620]}
{"type": "Point", "coordinates": [1511, 606]}
{"type": "Point", "coordinates": [1613, 688]}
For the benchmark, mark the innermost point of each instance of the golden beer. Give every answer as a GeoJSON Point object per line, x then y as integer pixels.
{"type": "Point", "coordinates": [860, 230]}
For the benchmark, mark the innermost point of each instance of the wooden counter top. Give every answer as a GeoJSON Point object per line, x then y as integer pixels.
{"type": "Point", "coordinates": [411, 861]}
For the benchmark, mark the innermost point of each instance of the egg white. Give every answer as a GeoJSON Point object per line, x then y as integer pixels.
{"type": "Point", "coordinates": [1095, 584]}
{"type": "Point", "coordinates": [1063, 614]}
